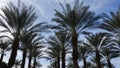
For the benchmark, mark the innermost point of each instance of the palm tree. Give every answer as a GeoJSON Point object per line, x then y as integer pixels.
{"type": "Point", "coordinates": [111, 23]}
{"type": "Point", "coordinates": [19, 19]}
{"type": "Point", "coordinates": [16, 19]}
{"type": "Point", "coordinates": [98, 42]}
{"type": "Point", "coordinates": [53, 52]}
{"type": "Point", "coordinates": [24, 42]}
{"type": "Point", "coordinates": [4, 46]}
{"type": "Point", "coordinates": [110, 53]}
{"type": "Point", "coordinates": [34, 47]}
{"type": "Point", "coordinates": [75, 20]}
{"type": "Point", "coordinates": [61, 39]}
{"type": "Point", "coordinates": [84, 52]}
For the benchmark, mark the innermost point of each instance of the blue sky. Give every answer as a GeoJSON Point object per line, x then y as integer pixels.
{"type": "Point", "coordinates": [45, 10]}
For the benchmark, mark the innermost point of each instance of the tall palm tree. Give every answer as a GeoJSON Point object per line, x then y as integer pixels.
{"type": "Point", "coordinates": [84, 52]}
{"type": "Point", "coordinates": [4, 46]}
{"type": "Point", "coordinates": [16, 20]}
{"type": "Point", "coordinates": [98, 42]}
{"type": "Point", "coordinates": [33, 47]}
{"type": "Point", "coordinates": [54, 52]}
{"type": "Point", "coordinates": [61, 39]}
{"type": "Point", "coordinates": [75, 20]}
{"type": "Point", "coordinates": [24, 42]}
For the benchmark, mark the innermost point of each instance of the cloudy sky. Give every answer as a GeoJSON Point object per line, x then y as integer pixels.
{"type": "Point", "coordinates": [45, 10]}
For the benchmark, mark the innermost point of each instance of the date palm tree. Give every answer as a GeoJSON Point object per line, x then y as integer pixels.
{"type": "Point", "coordinates": [62, 39]}
{"type": "Point", "coordinates": [54, 51]}
{"type": "Point", "coordinates": [26, 35]}
{"type": "Point", "coordinates": [111, 23]}
{"type": "Point", "coordinates": [110, 53]}
{"type": "Point", "coordinates": [25, 40]}
{"type": "Point", "coordinates": [97, 42]}
{"type": "Point", "coordinates": [84, 52]}
{"type": "Point", "coordinates": [33, 47]}
{"type": "Point", "coordinates": [76, 20]}
{"type": "Point", "coordinates": [16, 20]}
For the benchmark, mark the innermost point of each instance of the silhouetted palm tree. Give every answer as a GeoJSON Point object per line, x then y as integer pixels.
{"type": "Point", "coordinates": [62, 38]}
{"type": "Point", "coordinates": [76, 20]}
{"type": "Point", "coordinates": [15, 20]}
{"type": "Point", "coordinates": [54, 51]}
{"type": "Point", "coordinates": [19, 19]}
{"type": "Point", "coordinates": [111, 23]}
{"type": "Point", "coordinates": [33, 46]}
{"type": "Point", "coordinates": [98, 42]}
{"type": "Point", "coordinates": [84, 52]}
{"type": "Point", "coordinates": [24, 43]}
{"type": "Point", "coordinates": [110, 53]}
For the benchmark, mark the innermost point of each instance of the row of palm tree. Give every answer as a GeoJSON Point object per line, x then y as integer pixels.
{"type": "Point", "coordinates": [26, 35]}
{"type": "Point", "coordinates": [18, 21]}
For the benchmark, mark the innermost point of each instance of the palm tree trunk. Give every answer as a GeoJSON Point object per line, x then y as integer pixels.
{"type": "Point", "coordinates": [58, 61]}
{"type": "Point", "coordinates": [109, 63]}
{"type": "Point", "coordinates": [15, 47]}
{"type": "Point", "coordinates": [84, 62]}
{"type": "Point", "coordinates": [63, 58]}
{"type": "Point", "coordinates": [75, 50]}
{"type": "Point", "coordinates": [34, 65]}
{"type": "Point", "coordinates": [55, 64]}
{"type": "Point", "coordinates": [98, 59]}
{"type": "Point", "coordinates": [2, 55]}
{"type": "Point", "coordinates": [29, 63]}
{"type": "Point", "coordinates": [24, 58]}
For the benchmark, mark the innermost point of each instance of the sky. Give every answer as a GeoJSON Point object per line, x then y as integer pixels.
{"type": "Point", "coordinates": [45, 11]}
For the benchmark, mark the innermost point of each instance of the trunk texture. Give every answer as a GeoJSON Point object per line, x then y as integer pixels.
{"type": "Point", "coordinates": [84, 62]}
{"type": "Point", "coordinates": [63, 58]}
{"type": "Point", "coordinates": [15, 47]}
{"type": "Point", "coordinates": [109, 63]}
{"type": "Point", "coordinates": [58, 62]}
{"type": "Point", "coordinates": [55, 64]}
{"type": "Point", "coordinates": [75, 50]}
{"type": "Point", "coordinates": [24, 58]}
{"type": "Point", "coordinates": [29, 63]}
{"type": "Point", "coordinates": [34, 65]}
{"type": "Point", "coordinates": [98, 60]}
